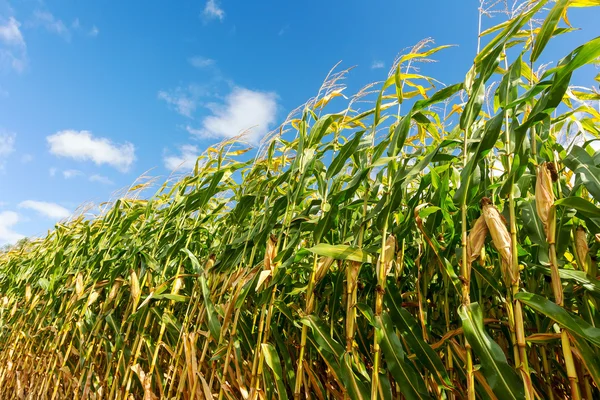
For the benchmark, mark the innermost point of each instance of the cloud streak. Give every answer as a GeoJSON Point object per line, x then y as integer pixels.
{"type": "Point", "coordinates": [185, 160]}
{"type": "Point", "coordinates": [7, 235]}
{"type": "Point", "coordinates": [47, 209]}
{"type": "Point", "coordinates": [13, 50]}
{"type": "Point", "coordinates": [212, 10]}
{"type": "Point", "coordinates": [83, 146]}
{"type": "Point", "coordinates": [243, 111]}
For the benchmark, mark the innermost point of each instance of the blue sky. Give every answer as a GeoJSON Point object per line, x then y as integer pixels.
{"type": "Point", "coordinates": [94, 93]}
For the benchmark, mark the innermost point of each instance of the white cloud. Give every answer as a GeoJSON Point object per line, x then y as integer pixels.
{"type": "Point", "coordinates": [94, 31]}
{"type": "Point", "coordinates": [377, 64]}
{"type": "Point", "coordinates": [13, 52]}
{"type": "Point", "coordinates": [52, 171]}
{"type": "Point", "coordinates": [201, 62]}
{"type": "Point", "coordinates": [213, 10]}
{"type": "Point", "coordinates": [71, 173]}
{"type": "Point", "coordinates": [50, 210]}
{"type": "Point", "coordinates": [10, 33]}
{"type": "Point", "coordinates": [7, 220]}
{"type": "Point", "coordinates": [188, 154]}
{"type": "Point", "coordinates": [183, 103]}
{"type": "Point", "coordinates": [26, 158]}
{"type": "Point", "coordinates": [7, 144]}
{"type": "Point", "coordinates": [101, 179]}
{"type": "Point", "coordinates": [51, 24]}
{"type": "Point", "coordinates": [83, 146]}
{"type": "Point", "coordinates": [243, 109]}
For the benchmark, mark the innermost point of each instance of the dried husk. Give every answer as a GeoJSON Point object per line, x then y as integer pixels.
{"type": "Point", "coordinates": [135, 289]}
{"type": "Point", "coordinates": [146, 381]}
{"type": "Point", "coordinates": [544, 195]}
{"type": "Point", "coordinates": [476, 239]}
{"type": "Point", "coordinates": [500, 236]}
{"type": "Point", "coordinates": [354, 268]}
{"type": "Point", "coordinates": [270, 253]}
{"type": "Point", "coordinates": [210, 263]}
{"type": "Point", "coordinates": [28, 292]}
{"type": "Point", "coordinates": [581, 247]}
{"type": "Point", "coordinates": [79, 285]}
{"type": "Point", "coordinates": [389, 253]}
{"type": "Point", "coordinates": [322, 268]}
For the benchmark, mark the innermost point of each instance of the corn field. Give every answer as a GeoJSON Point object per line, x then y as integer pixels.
{"type": "Point", "coordinates": [426, 241]}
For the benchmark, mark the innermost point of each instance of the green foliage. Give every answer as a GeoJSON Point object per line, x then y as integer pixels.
{"type": "Point", "coordinates": [331, 265]}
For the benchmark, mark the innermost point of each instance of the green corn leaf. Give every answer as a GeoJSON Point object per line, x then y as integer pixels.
{"type": "Point", "coordinates": [503, 380]}
{"type": "Point", "coordinates": [345, 153]}
{"type": "Point", "coordinates": [272, 359]}
{"type": "Point", "coordinates": [548, 28]}
{"type": "Point", "coordinates": [582, 205]}
{"type": "Point", "coordinates": [411, 383]}
{"type": "Point", "coordinates": [357, 389]}
{"type": "Point", "coordinates": [409, 329]}
{"type": "Point", "coordinates": [574, 324]}
{"type": "Point", "coordinates": [214, 325]}
{"type": "Point", "coordinates": [589, 357]}
{"type": "Point", "coordinates": [341, 252]}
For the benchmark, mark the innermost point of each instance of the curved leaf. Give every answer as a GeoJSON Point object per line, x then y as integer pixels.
{"type": "Point", "coordinates": [567, 320]}
{"type": "Point", "coordinates": [503, 380]}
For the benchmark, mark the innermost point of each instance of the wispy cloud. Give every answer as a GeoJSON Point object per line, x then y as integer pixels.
{"type": "Point", "coordinates": [94, 31]}
{"type": "Point", "coordinates": [13, 50]}
{"type": "Point", "coordinates": [283, 30]}
{"type": "Point", "coordinates": [7, 144]}
{"type": "Point", "coordinates": [186, 159]}
{"type": "Point", "coordinates": [101, 179]}
{"type": "Point", "coordinates": [212, 10]}
{"type": "Point", "coordinates": [7, 235]}
{"type": "Point", "coordinates": [52, 24]}
{"type": "Point", "coordinates": [71, 173]}
{"type": "Point", "coordinates": [47, 209]}
{"type": "Point", "coordinates": [183, 103]}
{"type": "Point", "coordinates": [201, 62]}
{"type": "Point", "coordinates": [83, 146]}
{"type": "Point", "coordinates": [377, 64]}
{"type": "Point", "coordinates": [185, 99]}
{"type": "Point", "coordinates": [26, 158]}
{"type": "Point", "coordinates": [7, 147]}
{"type": "Point", "coordinates": [242, 110]}
{"type": "Point", "coordinates": [10, 33]}
{"type": "Point", "coordinates": [46, 20]}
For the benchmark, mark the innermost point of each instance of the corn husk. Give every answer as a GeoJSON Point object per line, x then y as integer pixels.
{"type": "Point", "coordinates": [28, 292]}
{"type": "Point", "coordinates": [353, 269]}
{"type": "Point", "coordinates": [79, 286]}
{"type": "Point", "coordinates": [500, 236]}
{"type": "Point", "coordinates": [322, 268]}
{"type": "Point", "coordinates": [209, 263]}
{"type": "Point", "coordinates": [135, 289]}
{"type": "Point", "coordinates": [476, 239]}
{"type": "Point", "coordinates": [581, 247]}
{"type": "Point", "coordinates": [389, 253]}
{"type": "Point", "coordinates": [544, 195]}
{"type": "Point", "coordinates": [270, 253]}
{"type": "Point", "coordinates": [92, 298]}
{"type": "Point", "coordinates": [146, 381]}
{"type": "Point", "coordinates": [114, 290]}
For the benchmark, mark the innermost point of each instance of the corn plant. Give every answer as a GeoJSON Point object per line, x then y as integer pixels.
{"type": "Point", "coordinates": [441, 243]}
